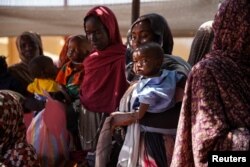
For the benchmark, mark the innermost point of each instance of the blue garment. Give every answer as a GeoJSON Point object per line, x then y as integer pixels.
{"type": "Point", "coordinates": [158, 92]}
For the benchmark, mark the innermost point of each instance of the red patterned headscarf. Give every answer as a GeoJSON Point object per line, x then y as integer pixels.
{"type": "Point", "coordinates": [14, 149]}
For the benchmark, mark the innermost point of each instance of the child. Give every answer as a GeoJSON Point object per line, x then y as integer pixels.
{"type": "Point", "coordinates": [156, 88]}
{"type": "Point", "coordinates": [43, 70]}
{"type": "Point", "coordinates": [7, 81]}
{"type": "Point", "coordinates": [71, 74]}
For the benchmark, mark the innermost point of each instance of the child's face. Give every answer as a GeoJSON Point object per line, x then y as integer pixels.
{"type": "Point", "coordinates": [145, 64]}
{"type": "Point", "coordinates": [78, 51]}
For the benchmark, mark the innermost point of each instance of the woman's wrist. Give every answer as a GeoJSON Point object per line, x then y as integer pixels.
{"type": "Point", "coordinates": [136, 116]}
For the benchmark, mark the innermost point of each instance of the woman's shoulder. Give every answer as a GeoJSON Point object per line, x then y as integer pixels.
{"type": "Point", "coordinates": [205, 68]}
{"type": "Point", "coordinates": [18, 67]}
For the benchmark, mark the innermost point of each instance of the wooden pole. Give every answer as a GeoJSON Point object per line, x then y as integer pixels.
{"type": "Point", "coordinates": [135, 10]}
{"type": "Point", "coordinates": [65, 3]}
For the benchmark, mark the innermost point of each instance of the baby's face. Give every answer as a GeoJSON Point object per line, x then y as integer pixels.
{"type": "Point", "coordinates": [78, 51]}
{"type": "Point", "coordinates": [145, 65]}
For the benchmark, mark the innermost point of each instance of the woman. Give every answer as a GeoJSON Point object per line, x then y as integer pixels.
{"type": "Point", "coordinates": [215, 113]}
{"type": "Point", "coordinates": [154, 28]}
{"type": "Point", "coordinates": [202, 43]}
{"type": "Point", "coordinates": [156, 143]}
{"type": "Point", "coordinates": [29, 45]}
{"type": "Point", "coordinates": [104, 80]}
{"type": "Point", "coordinates": [14, 149]}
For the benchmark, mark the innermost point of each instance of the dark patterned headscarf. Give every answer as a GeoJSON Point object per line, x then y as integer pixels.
{"type": "Point", "coordinates": [14, 150]}
{"type": "Point", "coordinates": [215, 114]}
{"type": "Point", "coordinates": [202, 43]}
{"type": "Point", "coordinates": [160, 28]}
{"type": "Point", "coordinates": [231, 47]}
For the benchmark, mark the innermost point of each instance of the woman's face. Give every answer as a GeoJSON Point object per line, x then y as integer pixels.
{"type": "Point", "coordinates": [141, 33]}
{"type": "Point", "coordinates": [29, 48]}
{"type": "Point", "coordinates": [96, 33]}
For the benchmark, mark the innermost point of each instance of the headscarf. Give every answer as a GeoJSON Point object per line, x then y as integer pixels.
{"type": "Point", "coordinates": [202, 43]}
{"type": "Point", "coordinates": [35, 37]}
{"type": "Point", "coordinates": [231, 48]}
{"type": "Point", "coordinates": [108, 19]}
{"type": "Point", "coordinates": [104, 80]}
{"type": "Point", "coordinates": [215, 113]}
{"type": "Point", "coordinates": [63, 58]}
{"type": "Point", "coordinates": [14, 149]}
{"type": "Point", "coordinates": [160, 28]}
{"type": "Point", "coordinates": [20, 70]}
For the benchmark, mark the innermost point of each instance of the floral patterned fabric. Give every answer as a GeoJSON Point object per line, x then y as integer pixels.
{"type": "Point", "coordinates": [215, 113]}
{"type": "Point", "coordinates": [14, 149]}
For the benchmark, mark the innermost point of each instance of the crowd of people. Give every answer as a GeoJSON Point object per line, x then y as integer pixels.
{"type": "Point", "coordinates": [107, 104]}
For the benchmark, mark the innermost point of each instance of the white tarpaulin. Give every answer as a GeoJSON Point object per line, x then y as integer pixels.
{"type": "Point", "coordinates": [183, 16]}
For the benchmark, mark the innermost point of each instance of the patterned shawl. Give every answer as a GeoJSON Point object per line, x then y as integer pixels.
{"type": "Point", "coordinates": [202, 43]}
{"type": "Point", "coordinates": [14, 149]}
{"type": "Point", "coordinates": [104, 80]}
{"type": "Point", "coordinates": [216, 111]}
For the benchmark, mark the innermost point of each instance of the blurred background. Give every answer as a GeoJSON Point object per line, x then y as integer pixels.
{"type": "Point", "coordinates": [54, 20]}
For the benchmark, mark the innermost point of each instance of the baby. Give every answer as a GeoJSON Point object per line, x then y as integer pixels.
{"type": "Point", "coordinates": [156, 88]}
{"type": "Point", "coordinates": [44, 71]}
{"type": "Point", "coordinates": [71, 74]}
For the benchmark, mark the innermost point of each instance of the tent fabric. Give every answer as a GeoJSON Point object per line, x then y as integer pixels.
{"type": "Point", "coordinates": [184, 17]}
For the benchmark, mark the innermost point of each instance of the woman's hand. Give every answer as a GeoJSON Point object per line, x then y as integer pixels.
{"type": "Point", "coordinates": [122, 118]}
